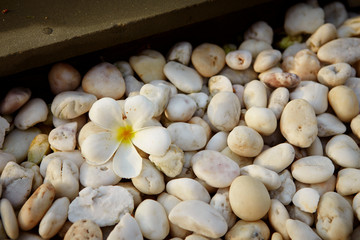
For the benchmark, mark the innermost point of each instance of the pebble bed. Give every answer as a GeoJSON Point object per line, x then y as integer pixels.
{"type": "Point", "coordinates": [256, 141]}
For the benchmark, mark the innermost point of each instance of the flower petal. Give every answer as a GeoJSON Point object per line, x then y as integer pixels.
{"type": "Point", "coordinates": [107, 113]}
{"type": "Point", "coordinates": [98, 148]}
{"type": "Point", "coordinates": [138, 109]}
{"type": "Point", "coordinates": [152, 140]}
{"type": "Point", "coordinates": [127, 163]}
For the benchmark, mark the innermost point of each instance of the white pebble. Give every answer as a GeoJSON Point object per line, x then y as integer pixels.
{"type": "Point", "coordinates": [187, 189]}
{"type": "Point", "coordinates": [104, 175]}
{"type": "Point", "coordinates": [255, 94]}
{"type": "Point", "coordinates": [33, 112]}
{"type": "Point", "coordinates": [63, 137]}
{"type": "Point", "coordinates": [188, 137]}
{"type": "Point", "coordinates": [180, 108]}
{"type": "Point", "coordinates": [344, 151]}
{"type": "Point", "coordinates": [263, 120]}
{"type": "Point", "coordinates": [306, 199]}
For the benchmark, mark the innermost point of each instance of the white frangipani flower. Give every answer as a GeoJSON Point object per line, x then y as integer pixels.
{"type": "Point", "coordinates": [124, 127]}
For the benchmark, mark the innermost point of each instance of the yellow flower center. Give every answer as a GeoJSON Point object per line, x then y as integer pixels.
{"type": "Point", "coordinates": [125, 134]}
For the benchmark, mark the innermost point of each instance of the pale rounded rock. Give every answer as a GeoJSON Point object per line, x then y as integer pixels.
{"type": "Point", "coordinates": [73, 156]}
{"type": "Point", "coordinates": [278, 215]}
{"type": "Point", "coordinates": [239, 76]}
{"type": "Point", "coordinates": [214, 168]}
{"type": "Point", "coordinates": [329, 125]}
{"type": "Point", "coordinates": [36, 206]}
{"type": "Point", "coordinates": [316, 148]}
{"type": "Point", "coordinates": [4, 128]}
{"type": "Point", "coordinates": [38, 179]}
{"type": "Point", "coordinates": [200, 121]}
{"type": "Point", "coordinates": [340, 50]}
{"type": "Point", "coordinates": [239, 59]}
{"type": "Point", "coordinates": [180, 52]}
{"type": "Point", "coordinates": [71, 104]}
{"type": "Point", "coordinates": [148, 65]}
{"type": "Point", "coordinates": [132, 85]}
{"type": "Point", "coordinates": [187, 189]}
{"type": "Point", "coordinates": [152, 219]}
{"type": "Point", "coordinates": [278, 100]}
{"type": "Point", "coordinates": [4, 159]}
{"type": "Point", "coordinates": [344, 151]}
{"type": "Point", "coordinates": [325, 33]}
{"type": "Point", "coordinates": [334, 74]}
{"type": "Point", "coordinates": [99, 205]}
{"type": "Point", "coordinates": [276, 236]}
{"type": "Point", "coordinates": [287, 189]}
{"type": "Point", "coordinates": [158, 94]}
{"type": "Point", "coordinates": [63, 77]}
{"type": "Point", "coordinates": [16, 183]}
{"type": "Point", "coordinates": [195, 236]}
{"type": "Point", "coordinates": [180, 108]}
{"type": "Point", "coordinates": [171, 163]}
{"type": "Point", "coordinates": [104, 175]}
{"type": "Point", "coordinates": [314, 93]}
{"type": "Point", "coordinates": [80, 120]}
{"type": "Point", "coordinates": [263, 120]}
{"type": "Point", "coordinates": [255, 94]}
{"type": "Point", "coordinates": [280, 79]}
{"type": "Point", "coordinates": [245, 141]}
{"type": "Point", "coordinates": [297, 214]}
{"type": "Point", "coordinates": [54, 218]}
{"type": "Point", "coordinates": [17, 142]}
{"type": "Point", "coordinates": [298, 123]}
{"type": "Point", "coordinates": [124, 68]}
{"type": "Point", "coordinates": [267, 59]}
{"type": "Point", "coordinates": [356, 205]}
{"type": "Point", "coordinates": [221, 202]}
{"type": "Point", "coordinates": [199, 217]}
{"type": "Point", "coordinates": [344, 102]}
{"type": "Point", "coordinates": [63, 137]}
{"type": "Point", "coordinates": [303, 18]}
{"type": "Point", "coordinates": [248, 230]}
{"type": "Point", "coordinates": [218, 141]}
{"type": "Point", "coordinates": [312, 169]}
{"type": "Point", "coordinates": [293, 49]}
{"type": "Point", "coordinates": [33, 112]}
{"type": "Point", "coordinates": [188, 137]}
{"type": "Point", "coordinates": [306, 199]}
{"type": "Point", "coordinates": [219, 83]}
{"type": "Point", "coordinates": [126, 229]}
{"type": "Point", "coordinates": [269, 178]}
{"type": "Point", "coordinates": [64, 176]}
{"type": "Point", "coordinates": [201, 99]}
{"type": "Point", "coordinates": [299, 230]}
{"type": "Point", "coordinates": [150, 180]}
{"type": "Point", "coordinates": [208, 59]}
{"type": "Point", "coordinates": [334, 217]}
{"type": "Point", "coordinates": [249, 198]}
{"type": "Point", "coordinates": [355, 125]}
{"type": "Point", "coordinates": [14, 100]}
{"type": "Point", "coordinates": [84, 228]}
{"type": "Point", "coordinates": [347, 179]}
{"type": "Point", "coordinates": [255, 46]}
{"type": "Point", "coordinates": [88, 129]}
{"type": "Point", "coordinates": [260, 30]}
{"type": "Point", "coordinates": [8, 219]}
{"type": "Point", "coordinates": [335, 13]}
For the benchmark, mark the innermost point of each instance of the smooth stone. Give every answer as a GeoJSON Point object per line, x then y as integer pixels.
{"type": "Point", "coordinates": [287, 189]}
{"type": "Point", "coordinates": [63, 137]}
{"type": "Point", "coordinates": [33, 112]}
{"type": "Point", "coordinates": [38, 148]}
{"type": "Point", "coordinates": [263, 120]}
{"type": "Point", "coordinates": [184, 78]}
{"type": "Point", "coordinates": [4, 128]}
{"type": "Point", "coordinates": [158, 94]}
{"type": "Point", "coordinates": [335, 74]}
{"type": "Point", "coordinates": [354, 84]}
{"type": "Point", "coordinates": [84, 229]}
{"type": "Point", "coordinates": [199, 217]}
{"type": "Point", "coordinates": [124, 68]}
{"type": "Point", "coordinates": [188, 137]}
{"type": "Point", "coordinates": [180, 108]}
{"type": "Point", "coordinates": [219, 83]}
{"type": "Point", "coordinates": [132, 85]}
{"type": "Point", "coordinates": [340, 50]}
{"type": "Point", "coordinates": [71, 104]}
{"type": "Point", "coordinates": [249, 198]}
{"type": "Point", "coordinates": [224, 111]}
{"type": "Point", "coordinates": [150, 181]}
{"type": "Point", "coordinates": [8, 219]}
{"type": "Point", "coordinates": [329, 125]}
{"type": "Point", "coordinates": [4, 159]}
{"type": "Point", "coordinates": [298, 123]}
{"type": "Point", "coordinates": [221, 202]}
{"type": "Point", "coordinates": [325, 33]}
{"type": "Point", "coordinates": [260, 30]}
{"type": "Point", "coordinates": [334, 217]}
{"type": "Point", "coordinates": [306, 199]}
{"type": "Point", "coordinates": [217, 142]}
{"type": "Point", "coordinates": [17, 142]}
{"type": "Point", "coordinates": [80, 120]}
{"type": "Point", "coordinates": [173, 89]}
{"type": "Point", "coordinates": [101, 205]}
{"type": "Point", "coordinates": [205, 124]}
{"type": "Point", "coordinates": [312, 169]}
{"type": "Point", "coordinates": [239, 76]}
{"type": "Point", "coordinates": [278, 215]}
{"type": "Point", "coordinates": [16, 183]}
{"type": "Point", "coordinates": [38, 179]}
{"type": "Point", "coordinates": [356, 205]}
{"type": "Point", "coordinates": [299, 230]}
{"type": "Point", "coordinates": [88, 129]}
{"type": "Point", "coordinates": [281, 79]}
{"type": "Point", "coordinates": [344, 102]}
{"type": "Point", "coordinates": [245, 141]}
{"type": "Point", "coordinates": [278, 100]}
{"type": "Point", "coordinates": [248, 230]}
{"type": "Point", "coordinates": [214, 168]}
{"type": "Point", "coordinates": [255, 94]}
{"type": "Point", "coordinates": [208, 59]}
{"type": "Point", "coordinates": [14, 100]}
{"type": "Point", "coordinates": [201, 99]}
{"type": "Point", "coordinates": [73, 156]}
{"type": "Point", "coordinates": [171, 163]}
{"type": "Point", "coordinates": [36, 206]}
{"type": "Point", "coordinates": [355, 125]}
{"type": "Point", "coordinates": [276, 158]}
{"type": "Point", "coordinates": [64, 176]}
{"type": "Point", "coordinates": [187, 189]}
{"type": "Point", "coordinates": [296, 214]}
{"type": "Point", "coordinates": [104, 175]}
{"type": "Point", "coordinates": [54, 218]}
{"type": "Point", "coordinates": [180, 52]}
{"type": "Point", "coordinates": [238, 59]}
{"type": "Point", "coordinates": [314, 93]}
{"type": "Point", "coordinates": [148, 65]}
{"type": "Point", "coordinates": [126, 229]}
{"type": "Point", "coordinates": [267, 59]}
{"type": "Point", "coordinates": [269, 178]}
{"type": "Point", "coordinates": [63, 77]}
{"type": "Point", "coordinates": [304, 63]}
{"type": "Point", "coordinates": [152, 219]}
{"type": "Point", "coordinates": [255, 46]}
{"type": "Point", "coordinates": [347, 179]}
{"type": "Point", "coordinates": [344, 151]}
